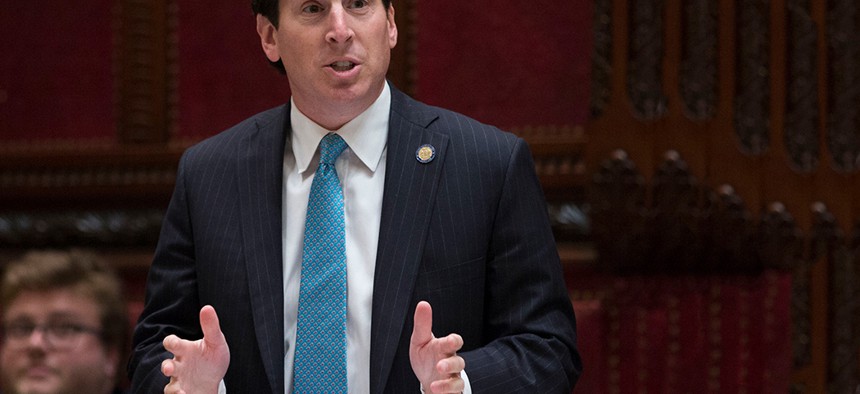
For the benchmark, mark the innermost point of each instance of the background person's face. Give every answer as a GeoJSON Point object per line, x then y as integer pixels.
{"type": "Point", "coordinates": [34, 367]}
{"type": "Point", "coordinates": [336, 52]}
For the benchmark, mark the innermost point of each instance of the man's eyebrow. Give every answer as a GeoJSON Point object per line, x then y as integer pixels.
{"type": "Point", "coordinates": [63, 315]}
{"type": "Point", "coordinates": [17, 320]}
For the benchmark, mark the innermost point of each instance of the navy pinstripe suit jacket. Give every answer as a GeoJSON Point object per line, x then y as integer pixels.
{"type": "Point", "coordinates": [467, 232]}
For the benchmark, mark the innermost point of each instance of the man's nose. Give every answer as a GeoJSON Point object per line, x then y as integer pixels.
{"type": "Point", "coordinates": [340, 30]}
{"type": "Point", "coordinates": [37, 338]}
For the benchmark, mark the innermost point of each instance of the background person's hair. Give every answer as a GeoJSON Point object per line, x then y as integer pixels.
{"type": "Point", "coordinates": [78, 271]}
{"type": "Point", "coordinates": [269, 9]}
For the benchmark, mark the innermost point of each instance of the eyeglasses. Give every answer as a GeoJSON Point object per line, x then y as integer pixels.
{"type": "Point", "coordinates": [57, 336]}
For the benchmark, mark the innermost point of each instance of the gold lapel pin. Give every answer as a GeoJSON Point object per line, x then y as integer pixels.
{"type": "Point", "coordinates": [425, 153]}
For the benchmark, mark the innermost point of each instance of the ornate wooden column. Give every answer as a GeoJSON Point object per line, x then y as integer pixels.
{"type": "Point", "coordinates": [146, 62]}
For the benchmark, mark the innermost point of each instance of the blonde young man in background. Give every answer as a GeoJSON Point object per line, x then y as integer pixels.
{"type": "Point", "coordinates": [65, 328]}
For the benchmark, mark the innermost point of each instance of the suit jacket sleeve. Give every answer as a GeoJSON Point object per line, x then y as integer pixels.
{"type": "Point", "coordinates": [529, 320]}
{"type": "Point", "coordinates": [220, 245]}
{"type": "Point", "coordinates": [171, 296]}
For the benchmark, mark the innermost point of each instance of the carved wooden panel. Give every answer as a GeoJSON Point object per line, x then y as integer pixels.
{"type": "Point", "coordinates": [752, 100]}
{"type": "Point", "coordinates": [601, 58]}
{"type": "Point", "coordinates": [802, 116]}
{"type": "Point", "coordinates": [843, 141]}
{"type": "Point", "coordinates": [845, 306]}
{"type": "Point", "coordinates": [86, 176]}
{"type": "Point", "coordinates": [559, 155]}
{"type": "Point", "coordinates": [617, 203]}
{"type": "Point", "coordinates": [645, 73]}
{"type": "Point", "coordinates": [699, 59]}
{"type": "Point", "coordinates": [767, 133]}
{"type": "Point", "coordinates": [672, 225]}
{"type": "Point", "coordinates": [96, 228]}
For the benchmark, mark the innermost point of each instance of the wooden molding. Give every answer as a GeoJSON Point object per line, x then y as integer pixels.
{"type": "Point", "coordinates": [60, 177]}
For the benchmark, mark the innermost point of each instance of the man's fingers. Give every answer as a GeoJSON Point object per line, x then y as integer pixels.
{"type": "Point", "coordinates": [451, 366]}
{"type": "Point", "coordinates": [423, 320]}
{"type": "Point", "coordinates": [173, 387]}
{"type": "Point", "coordinates": [451, 344]}
{"type": "Point", "coordinates": [451, 385]}
{"type": "Point", "coordinates": [168, 367]}
{"type": "Point", "coordinates": [211, 326]}
{"type": "Point", "coordinates": [173, 344]}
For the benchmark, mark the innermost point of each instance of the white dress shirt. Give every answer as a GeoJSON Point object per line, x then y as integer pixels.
{"type": "Point", "coordinates": [361, 170]}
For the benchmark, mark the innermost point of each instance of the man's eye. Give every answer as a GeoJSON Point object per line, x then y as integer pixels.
{"type": "Point", "coordinates": [64, 330]}
{"type": "Point", "coordinates": [19, 330]}
{"type": "Point", "coordinates": [312, 9]}
{"type": "Point", "coordinates": [359, 4]}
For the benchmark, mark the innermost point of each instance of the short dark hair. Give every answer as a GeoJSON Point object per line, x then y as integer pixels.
{"type": "Point", "coordinates": [269, 9]}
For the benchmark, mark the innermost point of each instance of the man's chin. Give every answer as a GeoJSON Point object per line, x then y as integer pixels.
{"type": "Point", "coordinates": [40, 385]}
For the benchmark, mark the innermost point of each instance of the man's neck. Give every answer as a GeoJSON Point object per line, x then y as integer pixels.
{"type": "Point", "coordinates": [332, 116]}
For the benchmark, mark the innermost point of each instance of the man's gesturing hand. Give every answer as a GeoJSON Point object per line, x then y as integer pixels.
{"type": "Point", "coordinates": [435, 360]}
{"type": "Point", "coordinates": [197, 366]}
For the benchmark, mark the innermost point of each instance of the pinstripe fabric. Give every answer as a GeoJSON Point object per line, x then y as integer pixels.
{"type": "Point", "coordinates": [467, 232]}
{"type": "Point", "coordinates": [480, 250]}
{"type": "Point", "coordinates": [220, 242]}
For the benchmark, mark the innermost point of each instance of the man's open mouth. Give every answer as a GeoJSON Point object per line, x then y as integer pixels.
{"type": "Point", "coordinates": [342, 66]}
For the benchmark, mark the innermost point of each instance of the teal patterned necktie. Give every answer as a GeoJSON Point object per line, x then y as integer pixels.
{"type": "Point", "coordinates": [320, 364]}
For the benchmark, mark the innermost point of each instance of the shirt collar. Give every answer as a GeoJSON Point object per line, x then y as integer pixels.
{"type": "Point", "coordinates": [365, 134]}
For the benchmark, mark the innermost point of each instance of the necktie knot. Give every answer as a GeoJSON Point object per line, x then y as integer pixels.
{"type": "Point", "coordinates": [331, 146]}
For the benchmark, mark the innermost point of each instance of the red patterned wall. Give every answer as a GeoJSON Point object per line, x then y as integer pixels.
{"type": "Point", "coordinates": [56, 76]}
{"type": "Point", "coordinates": [511, 64]}
{"type": "Point", "coordinates": [504, 64]}
{"type": "Point", "coordinates": [224, 76]}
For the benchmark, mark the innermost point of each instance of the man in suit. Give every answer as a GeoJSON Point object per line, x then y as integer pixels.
{"type": "Point", "coordinates": [436, 210]}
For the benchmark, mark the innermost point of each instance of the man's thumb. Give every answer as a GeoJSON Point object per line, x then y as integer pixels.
{"type": "Point", "coordinates": [210, 325]}
{"type": "Point", "coordinates": [423, 321]}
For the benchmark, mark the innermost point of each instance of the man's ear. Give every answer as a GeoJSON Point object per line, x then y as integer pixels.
{"type": "Point", "coordinates": [392, 27]}
{"type": "Point", "coordinates": [267, 38]}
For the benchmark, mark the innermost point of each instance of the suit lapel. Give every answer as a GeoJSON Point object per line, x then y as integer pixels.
{"type": "Point", "coordinates": [410, 189]}
{"type": "Point", "coordinates": [261, 154]}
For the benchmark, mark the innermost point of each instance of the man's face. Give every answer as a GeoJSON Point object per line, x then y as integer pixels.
{"type": "Point", "coordinates": [336, 52]}
{"type": "Point", "coordinates": [77, 363]}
